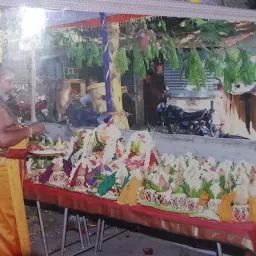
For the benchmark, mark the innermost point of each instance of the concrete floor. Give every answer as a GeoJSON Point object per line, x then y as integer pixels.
{"type": "Point", "coordinates": [120, 245]}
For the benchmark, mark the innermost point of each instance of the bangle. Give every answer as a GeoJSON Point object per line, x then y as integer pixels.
{"type": "Point", "coordinates": [29, 131]}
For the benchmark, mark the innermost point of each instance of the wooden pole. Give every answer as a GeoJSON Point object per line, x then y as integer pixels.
{"type": "Point", "coordinates": [119, 117]}
{"type": "Point", "coordinates": [110, 43]}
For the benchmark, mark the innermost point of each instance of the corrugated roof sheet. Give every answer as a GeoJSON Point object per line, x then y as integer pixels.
{"type": "Point", "coordinates": [177, 87]}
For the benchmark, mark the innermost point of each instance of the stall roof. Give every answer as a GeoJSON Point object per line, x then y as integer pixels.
{"type": "Point", "coordinates": [71, 19]}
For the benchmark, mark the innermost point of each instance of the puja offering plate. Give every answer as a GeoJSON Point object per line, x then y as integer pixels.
{"type": "Point", "coordinates": [47, 153]}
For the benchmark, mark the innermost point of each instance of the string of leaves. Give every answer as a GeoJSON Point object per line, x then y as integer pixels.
{"type": "Point", "coordinates": [122, 61]}
{"type": "Point", "coordinates": [232, 66]}
{"type": "Point", "coordinates": [169, 52]}
{"type": "Point", "coordinates": [88, 53]}
{"type": "Point", "coordinates": [247, 72]}
{"type": "Point", "coordinates": [214, 63]}
{"type": "Point", "coordinates": [139, 64]}
{"type": "Point", "coordinates": [236, 67]}
{"type": "Point", "coordinates": [193, 69]}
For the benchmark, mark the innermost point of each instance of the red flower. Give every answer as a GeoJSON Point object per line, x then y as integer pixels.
{"type": "Point", "coordinates": [152, 158]}
{"type": "Point", "coordinates": [93, 162]}
{"type": "Point", "coordinates": [132, 154]}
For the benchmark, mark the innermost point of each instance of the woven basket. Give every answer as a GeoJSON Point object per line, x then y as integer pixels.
{"type": "Point", "coordinates": [146, 195]}
{"type": "Point", "coordinates": [192, 205]}
{"type": "Point", "coordinates": [80, 187]}
{"type": "Point", "coordinates": [241, 213]}
{"type": "Point", "coordinates": [176, 201]}
{"type": "Point", "coordinates": [34, 174]}
{"type": "Point", "coordinates": [59, 179]}
{"type": "Point", "coordinates": [214, 204]}
{"type": "Point", "coordinates": [179, 201]}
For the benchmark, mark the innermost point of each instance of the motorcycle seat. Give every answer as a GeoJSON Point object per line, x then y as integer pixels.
{"type": "Point", "coordinates": [193, 115]}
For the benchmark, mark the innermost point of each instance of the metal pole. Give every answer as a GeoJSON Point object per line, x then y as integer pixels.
{"type": "Point", "coordinates": [33, 85]}
{"type": "Point", "coordinates": [219, 249]}
{"type": "Point", "coordinates": [97, 236]}
{"type": "Point", "coordinates": [106, 62]}
{"type": "Point", "coordinates": [42, 228]}
{"type": "Point", "coordinates": [79, 230]}
{"type": "Point", "coordinates": [101, 234]}
{"type": "Point", "coordinates": [63, 240]}
{"type": "Point", "coordinates": [86, 231]}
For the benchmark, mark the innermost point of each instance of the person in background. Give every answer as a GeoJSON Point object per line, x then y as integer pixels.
{"type": "Point", "coordinates": [128, 105]}
{"type": "Point", "coordinates": [86, 100]}
{"type": "Point", "coordinates": [14, 234]}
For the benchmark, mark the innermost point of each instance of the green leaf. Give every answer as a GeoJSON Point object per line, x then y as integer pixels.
{"type": "Point", "coordinates": [186, 188]}
{"type": "Point", "coordinates": [163, 24]}
{"type": "Point", "coordinates": [199, 193]}
{"type": "Point", "coordinates": [155, 187]}
{"type": "Point", "coordinates": [193, 194]}
{"type": "Point", "coordinates": [179, 190]}
{"type": "Point", "coordinates": [172, 171]}
{"type": "Point", "coordinates": [222, 181]}
{"type": "Point", "coordinates": [211, 195]}
{"type": "Point", "coordinates": [220, 195]}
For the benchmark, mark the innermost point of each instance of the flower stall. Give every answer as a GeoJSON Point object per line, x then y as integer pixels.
{"type": "Point", "coordinates": [97, 172]}
{"type": "Point", "coordinates": [97, 162]}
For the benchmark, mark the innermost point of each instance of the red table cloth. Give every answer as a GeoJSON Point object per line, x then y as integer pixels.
{"type": "Point", "coordinates": [242, 235]}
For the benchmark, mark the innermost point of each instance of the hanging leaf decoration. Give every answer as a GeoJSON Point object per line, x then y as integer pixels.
{"type": "Point", "coordinates": [231, 71]}
{"type": "Point", "coordinates": [214, 31]}
{"type": "Point", "coordinates": [122, 61]}
{"type": "Point", "coordinates": [85, 52]}
{"type": "Point", "coordinates": [148, 53]}
{"type": "Point", "coordinates": [214, 63]}
{"type": "Point", "coordinates": [196, 72]}
{"type": "Point", "coordinates": [155, 50]}
{"type": "Point", "coordinates": [247, 72]}
{"type": "Point", "coordinates": [236, 67]}
{"type": "Point", "coordinates": [169, 52]}
{"type": "Point", "coordinates": [232, 66]}
{"type": "Point", "coordinates": [139, 65]}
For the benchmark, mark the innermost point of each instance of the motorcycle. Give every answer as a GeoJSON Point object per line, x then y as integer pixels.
{"type": "Point", "coordinates": [177, 121]}
{"type": "Point", "coordinates": [22, 110]}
